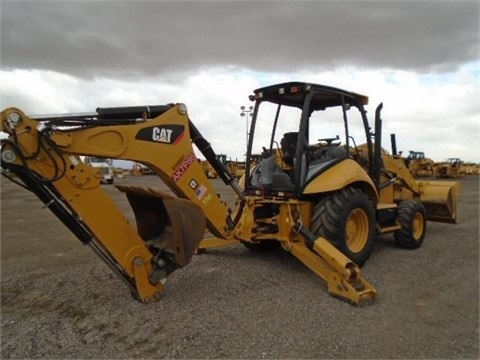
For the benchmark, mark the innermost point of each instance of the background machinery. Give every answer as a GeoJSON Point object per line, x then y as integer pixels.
{"type": "Point", "coordinates": [452, 168]}
{"type": "Point", "coordinates": [236, 168]}
{"type": "Point", "coordinates": [105, 166]}
{"type": "Point", "coordinates": [322, 190]}
{"type": "Point", "coordinates": [419, 165]}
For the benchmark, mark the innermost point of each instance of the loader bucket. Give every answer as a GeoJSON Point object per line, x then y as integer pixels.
{"type": "Point", "coordinates": [166, 222]}
{"type": "Point", "coordinates": [440, 200]}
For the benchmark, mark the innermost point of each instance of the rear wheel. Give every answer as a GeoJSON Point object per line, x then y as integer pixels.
{"type": "Point", "coordinates": [346, 218]}
{"type": "Point", "coordinates": [412, 216]}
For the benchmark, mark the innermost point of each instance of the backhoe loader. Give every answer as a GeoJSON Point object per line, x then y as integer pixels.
{"type": "Point", "coordinates": [322, 190]}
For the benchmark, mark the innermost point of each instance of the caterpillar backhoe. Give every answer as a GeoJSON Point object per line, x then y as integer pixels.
{"type": "Point", "coordinates": [319, 195]}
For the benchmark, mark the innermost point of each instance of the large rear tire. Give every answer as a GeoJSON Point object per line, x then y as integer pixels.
{"type": "Point", "coordinates": [412, 216]}
{"type": "Point", "coordinates": [346, 218]}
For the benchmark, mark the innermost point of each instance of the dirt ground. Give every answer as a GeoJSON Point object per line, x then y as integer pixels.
{"type": "Point", "coordinates": [59, 300]}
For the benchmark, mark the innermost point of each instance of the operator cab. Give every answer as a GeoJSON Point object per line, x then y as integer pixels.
{"type": "Point", "coordinates": [299, 131]}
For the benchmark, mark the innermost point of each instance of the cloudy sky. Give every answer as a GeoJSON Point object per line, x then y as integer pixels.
{"type": "Point", "coordinates": [420, 58]}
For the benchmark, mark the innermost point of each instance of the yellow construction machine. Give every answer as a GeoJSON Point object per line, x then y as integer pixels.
{"type": "Point", "coordinates": [319, 195]}
{"type": "Point", "coordinates": [419, 165]}
{"type": "Point", "coordinates": [452, 168]}
{"type": "Point", "coordinates": [236, 168]}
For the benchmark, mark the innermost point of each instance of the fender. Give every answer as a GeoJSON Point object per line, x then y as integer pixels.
{"type": "Point", "coordinates": [342, 174]}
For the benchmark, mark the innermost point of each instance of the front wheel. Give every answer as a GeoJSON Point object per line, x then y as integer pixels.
{"type": "Point", "coordinates": [346, 218]}
{"type": "Point", "coordinates": [412, 216]}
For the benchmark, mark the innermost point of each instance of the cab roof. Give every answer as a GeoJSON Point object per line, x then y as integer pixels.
{"type": "Point", "coordinates": [294, 93]}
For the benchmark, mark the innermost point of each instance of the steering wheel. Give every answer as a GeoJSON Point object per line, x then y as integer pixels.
{"type": "Point", "coordinates": [330, 140]}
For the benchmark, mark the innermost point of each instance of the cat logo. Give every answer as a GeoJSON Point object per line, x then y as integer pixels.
{"type": "Point", "coordinates": [167, 134]}
{"type": "Point", "coordinates": [162, 135]}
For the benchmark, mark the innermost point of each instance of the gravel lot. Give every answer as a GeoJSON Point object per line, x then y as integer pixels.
{"type": "Point", "coordinates": [58, 300]}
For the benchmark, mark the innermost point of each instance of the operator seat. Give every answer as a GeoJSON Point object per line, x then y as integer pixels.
{"type": "Point", "coordinates": [289, 147]}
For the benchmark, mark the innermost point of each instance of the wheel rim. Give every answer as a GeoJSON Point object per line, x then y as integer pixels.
{"type": "Point", "coordinates": [357, 230]}
{"type": "Point", "coordinates": [417, 226]}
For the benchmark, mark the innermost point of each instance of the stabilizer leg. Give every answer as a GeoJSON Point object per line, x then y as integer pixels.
{"type": "Point", "coordinates": [341, 274]}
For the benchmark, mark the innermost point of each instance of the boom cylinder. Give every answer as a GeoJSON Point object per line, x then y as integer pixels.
{"type": "Point", "coordinates": [132, 112]}
{"type": "Point", "coordinates": [205, 148]}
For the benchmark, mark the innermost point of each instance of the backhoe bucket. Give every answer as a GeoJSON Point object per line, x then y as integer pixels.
{"type": "Point", "coordinates": [440, 200]}
{"type": "Point", "coordinates": [166, 222]}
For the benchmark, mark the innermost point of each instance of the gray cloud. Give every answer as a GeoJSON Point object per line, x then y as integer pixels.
{"type": "Point", "coordinates": [141, 39]}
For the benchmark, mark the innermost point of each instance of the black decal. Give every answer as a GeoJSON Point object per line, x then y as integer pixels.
{"type": "Point", "coordinates": [166, 134]}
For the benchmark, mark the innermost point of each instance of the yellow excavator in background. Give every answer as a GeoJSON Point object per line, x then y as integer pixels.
{"type": "Point", "coordinates": [323, 198]}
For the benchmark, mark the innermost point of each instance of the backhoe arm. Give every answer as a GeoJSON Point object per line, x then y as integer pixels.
{"type": "Point", "coordinates": [45, 154]}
